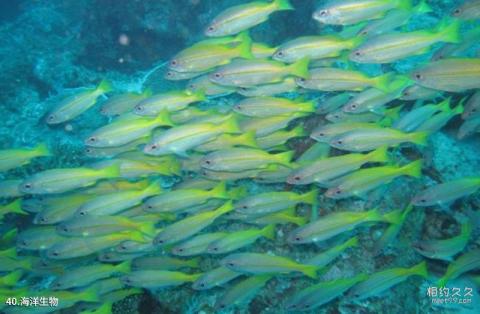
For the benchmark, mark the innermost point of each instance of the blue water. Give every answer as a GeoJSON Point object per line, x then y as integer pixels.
{"type": "Point", "coordinates": [52, 49]}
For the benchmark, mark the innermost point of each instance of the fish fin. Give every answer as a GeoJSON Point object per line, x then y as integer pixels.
{"type": "Point", "coordinates": [404, 4]}
{"type": "Point", "coordinates": [199, 95]}
{"type": "Point", "coordinates": [163, 119]}
{"type": "Point", "coordinates": [245, 47]}
{"type": "Point", "coordinates": [419, 138]}
{"type": "Point", "coordinates": [112, 171]}
{"type": "Point", "coordinates": [10, 253]}
{"type": "Point", "coordinates": [283, 5]}
{"type": "Point", "coordinates": [350, 242]}
{"type": "Point", "coordinates": [353, 42]}
{"type": "Point", "coordinates": [382, 82]}
{"type": "Point", "coordinates": [193, 262]}
{"type": "Point", "coordinates": [147, 92]}
{"type": "Point", "coordinates": [104, 87]}
{"type": "Point", "coordinates": [12, 278]}
{"type": "Point", "coordinates": [308, 106]}
{"type": "Point", "coordinates": [300, 68]}
{"type": "Point", "coordinates": [237, 193]}
{"type": "Point", "coordinates": [248, 139]}
{"type": "Point", "coordinates": [444, 106]}
{"type": "Point", "coordinates": [373, 215]}
{"type": "Point", "coordinates": [269, 232]}
{"type": "Point", "coordinates": [194, 277]}
{"type": "Point", "coordinates": [419, 269]}
{"type": "Point", "coordinates": [220, 191]}
{"type": "Point", "coordinates": [413, 169]}
{"type": "Point", "coordinates": [310, 271]}
{"type": "Point", "coordinates": [124, 267]}
{"type": "Point", "coordinates": [230, 125]}
{"type": "Point", "coordinates": [89, 295]}
{"type": "Point", "coordinates": [225, 208]}
{"type": "Point", "coordinates": [309, 197]}
{"type": "Point", "coordinates": [42, 150]}
{"type": "Point", "coordinates": [422, 7]}
{"type": "Point", "coordinates": [378, 155]}
{"type": "Point", "coordinates": [442, 281]}
{"type": "Point", "coordinates": [449, 31]}
{"type": "Point", "coordinates": [298, 220]}
{"type": "Point", "coordinates": [284, 158]}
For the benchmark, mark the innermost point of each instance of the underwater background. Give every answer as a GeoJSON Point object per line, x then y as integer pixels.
{"type": "Point", "coordinates": [51, 50]}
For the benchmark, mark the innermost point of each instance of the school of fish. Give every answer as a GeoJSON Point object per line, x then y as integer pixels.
{"type": "Point", "coordinates": [183, 194]}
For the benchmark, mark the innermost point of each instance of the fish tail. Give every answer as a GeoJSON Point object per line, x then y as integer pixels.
{"type": "Point", "coordinates": [399, 83]}
{"type": "Point", "coordinates": [378, 155]}
{"type": "Point", "coordinates": [308, 106]}
{"type": "Point", "coordinates": [449, 31]}
{"type": "Point", "coordinates": [237, 193]}
{"type": "Point", "coordinates": [298, 131]}
{"type": "Point", "coordinates": [199, 95]}
{"type": "Point", "coordinates": [245, 47]}
{"type": "Point", "coordinates": [193, 262]}
{"type": "Point", "coordinates": [124, 267]}
{"type": "Point", "coordinates": [89, 295]}
{"type": "Point", "coordinates": [284, 158]}
{"type": "Point", "coordinates": [310, 271]}
{"type": "Point", "coordinates": [382, 82]}
{"type": "Point", "coordinates": [12, 278]}
{"type": "Point", "coordinates": [16, 207]}
{"type": "Point", "coordinates": [248, 139]}
{"type": "Point", "coordinates": [137, 237]}
{"type": "Point", "coordinates": [404, 5]}
{"type": "Point", "coordinates": [230, 125]}
{"type": "Point", "coordinates": [413, 169]}
{"type": "Point", "coordinates": [112, 171]}
{"type": "Point", "coordinates": [419, 138]}
{"type": "Point", "coordinates": [104, 87]}
{"type": "Point", "coordinates": [147, 228]}
{"type": "Point", "coordinates": [422, 7]}
{"type": "Point", "coordinates": [147, 92]}
{"type": "Point", "coordinates": [153, 189]}
{"type": "Point", "coordinates": [300, 68]}
{"type": "Point", "coordinates": [282, 5]}
{"type": "Point", "coordinates": [444, 106]}
{"type": "Point", "coordinates": [298, 220]}
{"type": "Point", "coordinates": [10, 253]}
{"type": "Point", "coordinates": [466, 229]}
{"type": "Point", "coordinates": [42, 150]}
{"type": "Point", "coordinates": [194, 277]}
{"type": "Point", "coordinates": [220, 191]}
{"type": "Point", "coordinates": [309, 197]}
{"type": "Point", "coordinates": [419, 269]}
{"type": "Point", "coordinates": [174, 167]}
{"type": "Point", "coordinates": [354, 42]}
{"type": "Point", "coordinates": [225, 208]}
{"type": "Point", "coordinates": [459, 108]}
{"type": "Point", "coordinates": [163, 119]}
{"type": "Point", "coordinates": [393, 217]}
{"type": "Point", "coordinates": [373, 215]}
{"type": "Point", "coordinates": [350, 242]}
{"type": "Point", "coordinates": [269, 232]}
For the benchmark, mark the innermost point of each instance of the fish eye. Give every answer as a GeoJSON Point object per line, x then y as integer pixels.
{"type": "Point", "coordinates": [339, 142]}
{"type": "Point", "coordinates": [174, 62]}
{"type": "Point", "coordinates": [423, 201]}
{"type": "Point", "coordinates": [321, 134]}
{"type": "Point", "coordinates": [231, 264]}
{"type": "Point", "coordinates": [323, 13]}
{"type": "Point", "coordinates": [296, 178]}
{"type": "Point", "coordinates": [357, 53]}
{"type": "Point", "coordinates": [191, 86]}
{"type": "Point", "coordinates": [211, 28]}
{"type": "Point", "coordinates": [139, 108]}
{"type": "Point", "coordinates": [406, 93]}
{"type": "Point", "coordinates": [88, 150]}
{"type": "Point", "coordinates": [208, 162]}
{"type": "Point", "coordinates": [24, 243]}
{"type": "Point", "coordinates": [153, 146]}
{"type": "Point", "coordinates": [51, 117]}
{"type": "Point", "coordinates": [457, 11]}
{"type": "Point", "coordinates": [149, 206]}
{"type": "Point", "coordinates": [92, 139]}
{"type": "Point", "coordinates": [202, 285]}
{"type": "Point", "coordinates": [180, 249]}
{"type": "Point", "coordinates": [280, 54]}
{"type": "Point", "coordinates": [418, 76]}
{"type": "Point", "coordinates": [353, 106]}
{"type": "Point", "coordinates": [244, 206]}
{"type": "Point", "coordinates": [363, 33]}
{"type": "Point", "coordinates": [55, 253]}
{"type": "Point", "coordinates": [243, 89]}
{"type": "Point", "coordinates": [43, 219]}
{"type": "Point", "coordinates": [215, 248]}
{"type": "Point", "coordinates": [474, 110]}
{"type": "Point", "coordinates": [338, 192]}
{"type": "Point", "coordinates": [82, 213]}
{"type": "Point", "coordinates": [160, 241]}
{"type": "Point", "coordinates": [222, 306]}
{"type": "Point", "coordinates": [298, 239]}
{"type": "Point", "coordinates": [218, 75]}
{"type": "Point", "coordinates": [27, 186]}
{"type": "Point", "coordinates": [302, 80]}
